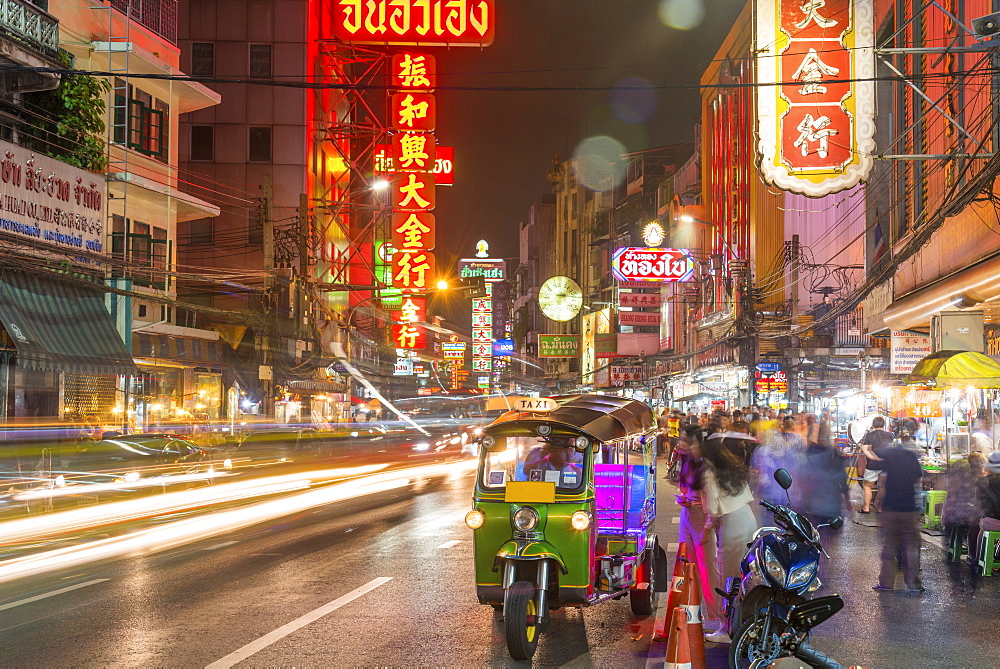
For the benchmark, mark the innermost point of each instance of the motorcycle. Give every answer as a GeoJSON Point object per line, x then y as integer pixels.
{"type": "Point", "coordinates": [767, 612]}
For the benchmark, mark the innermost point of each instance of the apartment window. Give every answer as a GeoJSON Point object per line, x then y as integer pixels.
{"type": "Point", "coordinates": [260, 61]}
{"type": "Point", "coordinates": [203, 59]}
{"type": "Point", "coordinates": [201, 231]}
{"type": "Point", "coordinates": [118, 225]}
{"type": "Point", "coordinates": [164, 109]}
{"type": "Point", "coordinates": [146, 123]}
{"type": "Point", "coordinates": [260, 144]}
{"type": "Point", "coordinates": [139, 243]}
{"type": "Point", "coordinates": [202, 142]}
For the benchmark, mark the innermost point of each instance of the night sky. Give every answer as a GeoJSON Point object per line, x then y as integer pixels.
{"type": "Point", "coordinates": [504, 140]}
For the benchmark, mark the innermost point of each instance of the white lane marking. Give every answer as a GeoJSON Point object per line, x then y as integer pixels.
{"type": "Point", "coordinates": [46, 595]}
{"type": "Point", "coordinates": [260, 644]}
{"type": "Point", "coordinates": [450, 544]}
{"type": "Point", "coordinates": [218, 546]}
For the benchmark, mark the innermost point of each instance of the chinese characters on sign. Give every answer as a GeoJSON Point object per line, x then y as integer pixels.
{"type": "Point", "coordinates": [908, 348]}
{"type": "Point", "coordinates": [444, 163]}
{"type": "Point", "coordinates": [622, 375]}
{"type": "Point", "coordinates": [816, 125]}
{"type": "Point", "coordinates": [558, 346]}
{"type": "Point", "coordinates": [648, 264]}
{"type": "Point", "coordinates": [639, 299]}
{"type": "Point", "coordinates": [415, 22]}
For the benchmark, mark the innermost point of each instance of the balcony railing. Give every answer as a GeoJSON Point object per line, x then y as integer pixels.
{"type": "Point", "coordinates": [160, 16]}
{"type": "Point", "coordinates": [24, 22]}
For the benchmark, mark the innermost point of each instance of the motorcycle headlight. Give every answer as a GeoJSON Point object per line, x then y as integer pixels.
{"type": "Point", "coordinates": [475, 519]}
{"type": "Point", "coordinates": [580, 520]}
{"type": "Point", "coordinates": [774, 568]}
{"type": "Point", "coordinates": [525, 518]}
{"type": "Point", "coordinates": [801, 575]}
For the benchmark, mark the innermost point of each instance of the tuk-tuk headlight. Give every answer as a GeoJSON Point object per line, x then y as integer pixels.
{"type": "Point", "coordinates": [475, 519]}
{"type": "Point", "coordinates": [525, 518]}
{"type": "Point", "coordinates": [582, 443]}
{"type": "Point", "coordinates": [580, 520]}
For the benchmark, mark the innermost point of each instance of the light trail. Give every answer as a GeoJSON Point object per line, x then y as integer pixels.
{"type": "Point", "coordinates": [74, 520]}
{"type": "Point", "coordinates": [181, 532]}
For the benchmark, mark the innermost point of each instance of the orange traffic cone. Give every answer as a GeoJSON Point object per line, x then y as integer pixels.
{"type": "Point", "coordinates": [678, 649]}
{"type": "Point", "coordinates": [674, 594]}
{"type": "Point", "coordinates": [692, 607]}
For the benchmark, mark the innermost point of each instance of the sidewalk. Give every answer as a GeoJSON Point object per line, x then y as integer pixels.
{"type": "Point", "coordinates": [956, 623]}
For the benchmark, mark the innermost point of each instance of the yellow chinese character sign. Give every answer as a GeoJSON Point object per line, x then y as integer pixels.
{"type": "Point", "coordinates": [413, 230]}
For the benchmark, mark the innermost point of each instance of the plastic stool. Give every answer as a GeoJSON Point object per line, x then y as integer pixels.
{"type": "Point", "coordinates": [987, 553]}
{"type": "Point", "coordinates": [956, 545]}
{"type": "Point", "coordinates": [932, 502]}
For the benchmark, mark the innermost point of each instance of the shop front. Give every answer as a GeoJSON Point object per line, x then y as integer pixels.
{"type": "Point", "coordinates": [62, 356]}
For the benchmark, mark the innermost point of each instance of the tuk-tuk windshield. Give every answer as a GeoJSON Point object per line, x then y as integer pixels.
{"type": "Point", "coordinates": [535, 459]}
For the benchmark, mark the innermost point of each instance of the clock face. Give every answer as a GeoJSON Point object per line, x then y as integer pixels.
{"type": "Point", "coordinates": [560, 298]}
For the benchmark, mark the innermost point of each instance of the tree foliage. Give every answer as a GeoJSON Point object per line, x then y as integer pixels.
{"type": "Point", "coordinates": [71, 127]}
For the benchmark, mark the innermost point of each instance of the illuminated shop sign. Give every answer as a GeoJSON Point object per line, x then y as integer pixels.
{"type": "Point", "coordinates": [817, 127]}
{"type": "Point", "coordinates": [415, 22]}
{"type": "Point", "coordinates": [649, 264]}
{"type": "Point", "coordinates": [444, 163]}
{"type": "Point", "coordinates": [489, 269]}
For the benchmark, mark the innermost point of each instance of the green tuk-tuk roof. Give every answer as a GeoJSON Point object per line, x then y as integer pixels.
{"type": "Point", "coordinates": [604, 417]}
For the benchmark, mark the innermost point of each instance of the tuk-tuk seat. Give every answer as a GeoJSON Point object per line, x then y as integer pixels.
{"type": "Point", "coordinates": [609, 488]}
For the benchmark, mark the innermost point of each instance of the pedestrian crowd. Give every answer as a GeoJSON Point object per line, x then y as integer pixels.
{"type": "Point", "coordinates": [724, 463]}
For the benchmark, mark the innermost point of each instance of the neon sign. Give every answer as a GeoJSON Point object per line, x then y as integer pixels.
{"type": "Point", "coordinates": [816, 119]}
{"type": "Point", "coordinates": [415, 22]}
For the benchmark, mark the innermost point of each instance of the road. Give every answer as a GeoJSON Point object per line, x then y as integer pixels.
{"type": "Point", "coordinates": [388, 582]}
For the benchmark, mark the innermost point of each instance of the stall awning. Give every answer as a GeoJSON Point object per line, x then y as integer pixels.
{"type": "Point", "coordinates": [190, 351]}
{"type": "Point", "coordinates": [61, 327]}
{"type": "Point", "coordinates": [956, 369]}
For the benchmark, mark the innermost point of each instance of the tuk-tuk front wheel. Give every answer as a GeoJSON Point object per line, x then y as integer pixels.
{"type": "Point", "coordinates": [520, 616]}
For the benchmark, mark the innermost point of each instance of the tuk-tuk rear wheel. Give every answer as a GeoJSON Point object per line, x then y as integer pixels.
{"type": "Point", "coordinates": [643, 600]}
{"type": "Point", "coordinates": [520, 620]}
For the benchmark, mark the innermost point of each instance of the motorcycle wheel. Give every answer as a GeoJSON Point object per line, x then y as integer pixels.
{"type": "Point", "coordinates": [643, 600]}
{"type": "Point", "coordinates": [748, 644]}
{"type": "Point", "coordinates": [520, 621]}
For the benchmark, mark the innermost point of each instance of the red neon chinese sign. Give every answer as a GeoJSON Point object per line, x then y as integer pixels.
{"type": "Point", "coordinates": [412, 271]}
{"type": "Point", "coordinates": [413, 192]}
{"type": "Point", "coordinates": [415, 22]}
{"type": "Point", "coordinates": [413, 71]}
{"type": "Point", "coordinates": [816, 126]}
{"type": "Point", "coordinates": [414, 111]}
{"type": "Point", "coordinates": [413, 230]}
{"type": "Point", "coordinates": [414, 152]}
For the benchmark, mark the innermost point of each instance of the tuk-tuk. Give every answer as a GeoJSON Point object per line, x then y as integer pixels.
{"type": "Point", "coordinates": [563, 511]}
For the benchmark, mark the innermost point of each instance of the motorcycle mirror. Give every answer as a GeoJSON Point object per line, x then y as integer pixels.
{"type": "Point", "coordinates": [837, 523]}
{"type": "Point", "coordinates": [783, 478]}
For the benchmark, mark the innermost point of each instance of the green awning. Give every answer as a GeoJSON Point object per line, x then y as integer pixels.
{"type": "Point", "coordinates": [61, 327]}
{"type": "Point", "coordinates": [956, 369]}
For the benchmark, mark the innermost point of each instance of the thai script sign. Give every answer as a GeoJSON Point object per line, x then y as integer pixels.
{"type": "Point", "coordinates": [644, 264]}
{"type": "Point", "coordinates": [444, 163]}
{"type": "Point", "coordinates": [908, 348]}
{"type": "Point", "coordinates": [49, 201]}
{"type": "Point", "coordinates": [415, 22]}
{"type": "Point", "coordinates": [620, 375]}
{"type": "Point", "coordinates": [488, 268]}
{"type": "Point", "coordinates": [816, 97]}
{"type": "Point", "coordinates": [558, 346]}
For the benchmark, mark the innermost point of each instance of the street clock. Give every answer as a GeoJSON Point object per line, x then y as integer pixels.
{"type": "Point", "coordinates": [560, 298]}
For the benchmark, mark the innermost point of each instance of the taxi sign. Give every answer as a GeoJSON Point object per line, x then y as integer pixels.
{"type": "Point", "coordinates": [536, 404]}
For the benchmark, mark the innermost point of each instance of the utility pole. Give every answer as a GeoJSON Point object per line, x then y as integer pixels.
{"type": "Point", "coordinates": [304, 237]}
{"type": "Point", "coordinates": [793, 386]}
{"type": "Point", "coordinates": [267, 243]}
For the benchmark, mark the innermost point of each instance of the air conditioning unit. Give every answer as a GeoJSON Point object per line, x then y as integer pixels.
{"type": "Point", "coordinates": [958, 331]}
